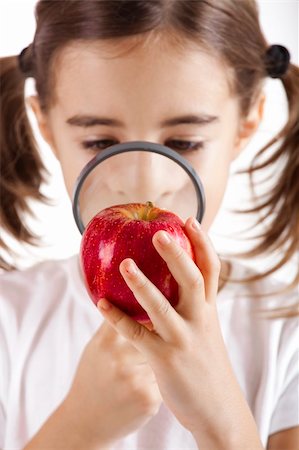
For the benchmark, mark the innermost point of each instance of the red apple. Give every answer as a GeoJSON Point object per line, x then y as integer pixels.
{"type": "Point", "coordinates": [126, 231]}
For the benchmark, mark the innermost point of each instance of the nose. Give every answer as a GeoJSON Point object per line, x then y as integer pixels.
{"type": "Point", "coordinates": [137, 177]}
{"type": "Point", "coordinates": [145, 176]}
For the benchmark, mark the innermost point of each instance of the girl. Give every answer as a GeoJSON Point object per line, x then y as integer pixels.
{"type": "Point", "coordinates": [218, 372]}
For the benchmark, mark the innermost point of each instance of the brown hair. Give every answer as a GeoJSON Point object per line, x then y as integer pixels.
{"type": "Point", "coordinates": [223, 26]}
{"type": "Point", "coordinates": [22, 170]}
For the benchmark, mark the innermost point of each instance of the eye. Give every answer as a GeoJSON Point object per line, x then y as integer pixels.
{"type": "Point", "coordinates": [98, 144]}
{"type": "Point", "coordinates": [184, 146]}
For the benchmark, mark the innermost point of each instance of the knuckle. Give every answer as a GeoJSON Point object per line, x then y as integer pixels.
{"type": "Point", "coordinates": [138, 333]}
{"type": "Point", "coordinates": [178, 252]}
{"type": "Point", "coordinates": [216, 264]}
{"type": "Point", "coordinates": [163, 307]}
{"type": "Point", "coordinates": [149, 402]}
{"type": "Point", "coordinates": [124, 373]}
{"type": "Point", "coordinates": [132, 376]}
{"type": "Point", "coordinates": [141, 283]}
{"type": "Point", "coordinates": [135, 386]}
{"type": "Point", "coordinates": [197, 282]}
{"type": "Point", "coordinates": [117, 319]}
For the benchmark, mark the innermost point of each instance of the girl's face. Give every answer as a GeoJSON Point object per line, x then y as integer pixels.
{"type": "Point", "coordinates": [156, 92]}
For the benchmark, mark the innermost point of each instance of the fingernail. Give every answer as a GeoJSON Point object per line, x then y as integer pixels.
{"type": "Point", "coordinates": [104, 304]}
{"type": "Point", "coordinates": [164, 238]}
{"type": "Point", "coordinates": [131, 268]}
{"type": "Point", "coordinates": [195, 225]}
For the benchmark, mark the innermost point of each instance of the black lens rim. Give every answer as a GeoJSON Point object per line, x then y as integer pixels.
{"type": "Point", "coordinates": [131, 147]}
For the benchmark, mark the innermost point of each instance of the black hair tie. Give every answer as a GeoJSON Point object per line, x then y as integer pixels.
{"type": "Point", "coordinates": [277, 60]}
{"type": "Point", "coordinates": [25, 61]}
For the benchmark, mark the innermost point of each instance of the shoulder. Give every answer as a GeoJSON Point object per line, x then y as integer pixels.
{"type": "Point", "coordinates": [38, 288]}
{"type": "Point", "coordinates": [41, 274]}
{"type": "Point", "coordinates": [265, 295]}
{"type": "Point", "coordinates": [47, 298]}
{"type": "Point", "coordinates": [262, 314]}
{"type": "Point", "coordinates": [262, 340]}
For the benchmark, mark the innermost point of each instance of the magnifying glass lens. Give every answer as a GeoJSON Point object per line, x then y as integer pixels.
{"type": "Point", "coordinates": [137, 177]}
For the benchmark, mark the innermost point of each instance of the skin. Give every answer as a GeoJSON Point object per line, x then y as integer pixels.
{"type": "Point", "coordinates": [88, 83]}
{"type": "Point", "coordinates": [142, 88]}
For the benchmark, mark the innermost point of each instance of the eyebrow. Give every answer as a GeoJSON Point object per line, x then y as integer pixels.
{"type": "Point", "coordinates": [86, 121]}
{"type": "Point", "coordinates": [91, 121]}
{"type": "Point", "coordinates": [192, 119]}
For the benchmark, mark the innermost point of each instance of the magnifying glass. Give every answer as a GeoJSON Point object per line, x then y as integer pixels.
{"type": "Point", "coordinates": [138, 172]}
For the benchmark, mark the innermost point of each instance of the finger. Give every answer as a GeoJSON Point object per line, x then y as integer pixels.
{"type": "Point", "coordinates": [161, 313]}
{"type": "Point", "coordinates": [185, 272]}
{"type": "Point", "coordinates": [107, 333]}
{"type": "Point", "coordinates": [206, 257]}
{"type": "Point", "coordinates": [130, 355]}
{"type": "Point", "coordinates": [138, 335]}
{"type": "Point", "coordinates": [133, 358]}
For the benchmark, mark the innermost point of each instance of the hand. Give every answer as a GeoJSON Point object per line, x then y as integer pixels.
{"type": "Point", "coordinates": [114, 391]}
{"type": "Point", "coordinates": [185, 347]}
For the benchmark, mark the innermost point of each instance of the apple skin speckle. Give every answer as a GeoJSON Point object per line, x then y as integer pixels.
{"type": "Point", "coordinates": [126, 231]}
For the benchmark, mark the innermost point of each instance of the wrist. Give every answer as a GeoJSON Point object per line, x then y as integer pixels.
{"type": "Point", "coordinates": [225, 442]}
{"type": "Point", "coordinates": [77, 422]}
{"type": "Point", "coordinates": [228, 424]}
{"type": "Point", "coordinates": [64, 430]}
{"type": "Point", "coordinates": [235, 436]}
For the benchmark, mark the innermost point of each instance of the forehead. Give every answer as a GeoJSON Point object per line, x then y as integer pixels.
{"type": "Point", "coordinates": [151, 71]}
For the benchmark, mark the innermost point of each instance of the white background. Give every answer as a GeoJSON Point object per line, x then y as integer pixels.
{"type": "Point", "coordinates": [279, 19]}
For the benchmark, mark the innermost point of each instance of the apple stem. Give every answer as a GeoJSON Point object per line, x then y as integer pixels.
{"type": "Point", "coordinates": [149, 206]}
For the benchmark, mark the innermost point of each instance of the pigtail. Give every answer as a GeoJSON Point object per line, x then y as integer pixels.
{"type": "Point", "coordinates": [281, 204]}
{"type": "Point", "coordinates": [22, 170]}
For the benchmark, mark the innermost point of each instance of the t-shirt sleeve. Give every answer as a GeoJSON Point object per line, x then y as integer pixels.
{"type": "Point", "coordinates": [7, 343]}
{"type": "Point", "coordinates": [3, 384]}
{"type": "Point", "coordinates": [2, 426]}
{"type": "Point", "coordinates": [286, 411]}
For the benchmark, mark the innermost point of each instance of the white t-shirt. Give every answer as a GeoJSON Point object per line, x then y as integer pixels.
{"type": "Point", "coordinates": [47, 317]}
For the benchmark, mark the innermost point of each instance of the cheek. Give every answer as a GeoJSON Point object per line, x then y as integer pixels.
{"type": "Point", "coordinates": [70, 172]}
{"type": "Point", "coordinates": [213, 167]}
{"type": "Point", "coordinates": [72, 160]}
{"type": "Point", "coordinates": [214, 190]}
{"type": "Point", "coordinates": [71, 167]}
